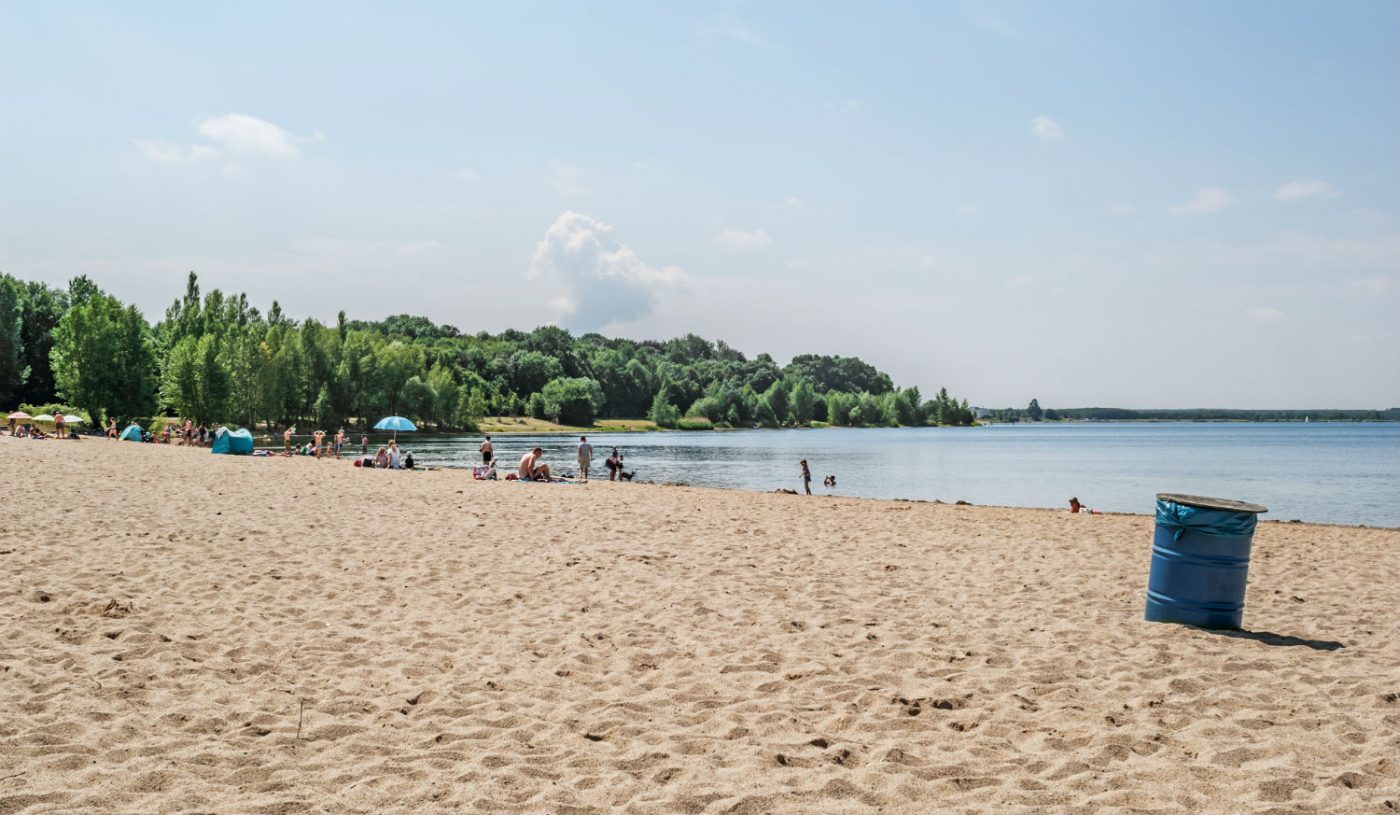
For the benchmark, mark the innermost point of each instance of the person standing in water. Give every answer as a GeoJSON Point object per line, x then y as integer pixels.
{"type": "Point", "coordinates": [585, 457]}
{"type": "Point", "coordinates": [487, 452]}
{"type": "Point", "coordinates": [806, 477]}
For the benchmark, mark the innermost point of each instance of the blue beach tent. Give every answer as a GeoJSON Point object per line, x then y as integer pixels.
{"type": "Point", "coordinates": [232, 443]}
{"type": "Point", "coordinates": [132, 433]}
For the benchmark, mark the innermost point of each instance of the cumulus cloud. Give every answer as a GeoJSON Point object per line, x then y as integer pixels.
{"type": "Point", "coordinates": [1043, 127]}
{"type": "Point", "coordinates": [1301, 190]}
{"type": "Point", "coordinates": [230, 134]}
{"type": "Point", "coordinates": [735, 238]}
{"type": "Point", "coordinates": [1209, 199]}
{"type": "Point", "coordinates": [1264, 314]}
{"type": "Point", "coordinates": [600, 280]}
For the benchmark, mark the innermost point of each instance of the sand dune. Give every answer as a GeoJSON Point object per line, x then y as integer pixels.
{"type": "Point", "coordinates": [182, 632]}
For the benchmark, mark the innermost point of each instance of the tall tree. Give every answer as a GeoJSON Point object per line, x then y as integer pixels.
{"type": "Point", "coordinates": [13, 371]}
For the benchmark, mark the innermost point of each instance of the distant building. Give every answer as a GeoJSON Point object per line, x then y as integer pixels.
{"type": "Point", "coordinates": [981, 412]}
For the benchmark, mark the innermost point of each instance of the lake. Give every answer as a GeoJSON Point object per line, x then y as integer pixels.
{"type": "Point", "coordinates": [1345, 473]}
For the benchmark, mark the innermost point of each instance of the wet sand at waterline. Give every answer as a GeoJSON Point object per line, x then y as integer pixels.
{"type": "Point", "coordinates": [186, 632]}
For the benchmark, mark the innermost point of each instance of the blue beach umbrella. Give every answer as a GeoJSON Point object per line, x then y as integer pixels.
{"type": "Point", "coordinates": [395, 423]}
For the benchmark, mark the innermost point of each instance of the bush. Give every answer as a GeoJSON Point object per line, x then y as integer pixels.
{"type": "Point", "coordinates": [695, 423]}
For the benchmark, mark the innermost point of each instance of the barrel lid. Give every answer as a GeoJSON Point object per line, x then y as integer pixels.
{"type": "Point", "coordinates": [1203, 502]}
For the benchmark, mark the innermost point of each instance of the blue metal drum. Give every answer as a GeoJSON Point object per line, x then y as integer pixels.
{"type": "Point", "coordinates": [1200, 560]}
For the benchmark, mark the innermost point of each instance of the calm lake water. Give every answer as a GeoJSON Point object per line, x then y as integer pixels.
{"type": "Point", "coordinates": [1322, 472]}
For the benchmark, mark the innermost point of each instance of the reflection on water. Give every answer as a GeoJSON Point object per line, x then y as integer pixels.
{"type": "Point", "coordinates": [1321, 472]}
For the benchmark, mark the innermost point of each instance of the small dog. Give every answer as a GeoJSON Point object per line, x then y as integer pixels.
{"type": "Point", "coordinates": [829, 481]}
{"type": "Point", "coordinates": [626, 476]}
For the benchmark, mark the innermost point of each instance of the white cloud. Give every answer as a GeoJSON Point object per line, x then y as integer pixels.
{"type": "Point", "coordinates": [1264, 314]}
{"type": "Point", "coordinates": [249, 135]}
{"type": "Point", "coordinates": [233, 133]}
{"type": "Point", "coordinates": [467, 175]}
{"type": "Point", "coordinates": [735, 238]}
{"type": "Point", "coordinates": [1300, 190]}
{"type": "Point", "coordinates": [1372, 286]}
{"type": "Point", "coordinates": [1208, 199]}
{"type": "Point", "coordinates": [1043, 127]}
{"type": "Point", "coordinates": [164, 152]}
{"type": "Point", "coordinates": [600, 281]}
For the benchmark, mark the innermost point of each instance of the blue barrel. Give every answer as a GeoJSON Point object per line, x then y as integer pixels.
{"type": "Point", "coordinates": [1200, 560]}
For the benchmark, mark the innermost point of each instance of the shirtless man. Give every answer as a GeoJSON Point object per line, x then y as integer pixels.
{"type": "Point", "coordinates": [487, 452]}
{"type": "Point", "coordinates": [287, 438]}
{"type": "Point", "coordinates": [339, 440]}
{"type": "Point", "coordinates": [319, 444]}
{"type": "Point", "coordinates": [530, 467]}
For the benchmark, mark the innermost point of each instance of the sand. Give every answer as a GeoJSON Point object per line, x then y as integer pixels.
{"type": "Point", "coordinates": [184, 632]}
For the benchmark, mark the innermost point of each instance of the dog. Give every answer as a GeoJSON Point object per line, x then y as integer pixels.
{"type": "Point", "coordinates": [829, 481]}
{"type": "Point", "coordinates": [626, 476]}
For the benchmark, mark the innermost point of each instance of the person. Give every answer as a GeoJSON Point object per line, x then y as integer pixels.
{"type": "Point", "coordinates": [530, 467]}
{"type": "Point", "coordinates": [614, 464]}
{"type": "Point", "coordinates": [12, 426]}
{"type": "Point", "coordinates": [318, 444]}
{"type": "Point", "coordinates": [188, 433]}
{"type": "Point", "coordinates": [585, 457]}
{"type": "Point", "coordinates": [806, 477]}
{"type": "Point", "coordinates": [487, 452]}
{"type": "Point", "coordinates": [364, 445]}
{"type": "Point", "coordinates": [394, 462]}
{"type": "Point", "coordinates": [287, 438]}
{"type": "Point", "coordinates": [112, 428]}
{"type": "Point", "coordinates": [58, 425]}
{"type": "Point", "coordinates": [408, 460]}
{"type": "Point", "coordinates": [381, 459]}
{"type": "Point", "coordinates": [1076, 507]}
{"type": "Point", "coordinates": [164, 434]}
{"type": "Point", "coordinates": [339, 440]}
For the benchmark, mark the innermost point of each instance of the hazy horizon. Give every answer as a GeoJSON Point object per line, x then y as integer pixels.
{"type": "Point", "coordinates": [1169, 206]}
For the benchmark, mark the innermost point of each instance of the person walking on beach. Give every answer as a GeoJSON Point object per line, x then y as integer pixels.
{"type": "Point", "coordinates": [806, 477]}
{"type": "Point", "coordinates": [111, 428]}
{"type": "Point", "coordinates": [287, 438]}
{"type": "Point", "coordinates": [487, 451]}
{"type": "Point", "coordinates": [585, 457]}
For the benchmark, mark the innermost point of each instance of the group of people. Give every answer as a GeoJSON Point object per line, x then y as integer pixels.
{"type": "Point", "coordinates": [532, 466]}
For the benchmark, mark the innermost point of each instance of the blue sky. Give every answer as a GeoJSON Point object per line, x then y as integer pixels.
{"type": "Point", "coordinates": [1133, 204]}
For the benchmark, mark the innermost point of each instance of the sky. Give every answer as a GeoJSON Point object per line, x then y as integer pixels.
{"type": "Point", "coordinates": [1145, 204]}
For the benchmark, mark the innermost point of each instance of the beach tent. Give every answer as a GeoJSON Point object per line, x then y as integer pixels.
{"type": "Point", "coordinates": [132, 433]}
{"type": "Point", "coordinates": [232, 443]}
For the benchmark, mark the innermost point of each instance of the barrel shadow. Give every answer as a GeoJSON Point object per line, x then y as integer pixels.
{"type": "Point", "coordinates": [1270, 638]}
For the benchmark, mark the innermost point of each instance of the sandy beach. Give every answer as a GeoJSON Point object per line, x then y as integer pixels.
{"type": "Point", "coordinates": [184, 632]}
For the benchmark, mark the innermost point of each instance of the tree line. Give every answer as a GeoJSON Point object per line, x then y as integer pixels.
{"type": "Point", "coordinates": [1033, 412]}
{"type": "Point", "coordinates": [214, 358]}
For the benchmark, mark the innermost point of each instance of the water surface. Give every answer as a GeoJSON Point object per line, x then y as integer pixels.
{"type": "Point", "coordinates": [1347, 473]}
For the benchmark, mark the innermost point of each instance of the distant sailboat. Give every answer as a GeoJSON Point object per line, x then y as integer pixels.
{"type": "Point", "coordinates": [1307, 419]}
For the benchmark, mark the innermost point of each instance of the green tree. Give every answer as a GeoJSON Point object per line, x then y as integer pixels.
{"type": "Point", "coordinates": [778, 406]}
{"type": "Point", "coordinates": [574, 400]}
{"type": "Point", "coordinates": [663, 413]}
{"type": "Point", "coordinates": [803, 402]}
{"type": "Point", "coordinates": [43, 307]}
{"type": "Point", "coordinates": [1033, 411]}
{"type": "Point", "coordinates": [13, 372]}
{"type": "Point", "coordinates": [102, 356]}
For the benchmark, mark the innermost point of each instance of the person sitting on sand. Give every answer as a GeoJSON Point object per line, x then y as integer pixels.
{"type": "Point", "coordinates": [381, 459]}
{"type": "Point", "coordinates": [394, 462]}
{"type": "Point", "coordinates": [530, 467]}
{"type": "Point", "coordinates": [408, 460]}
